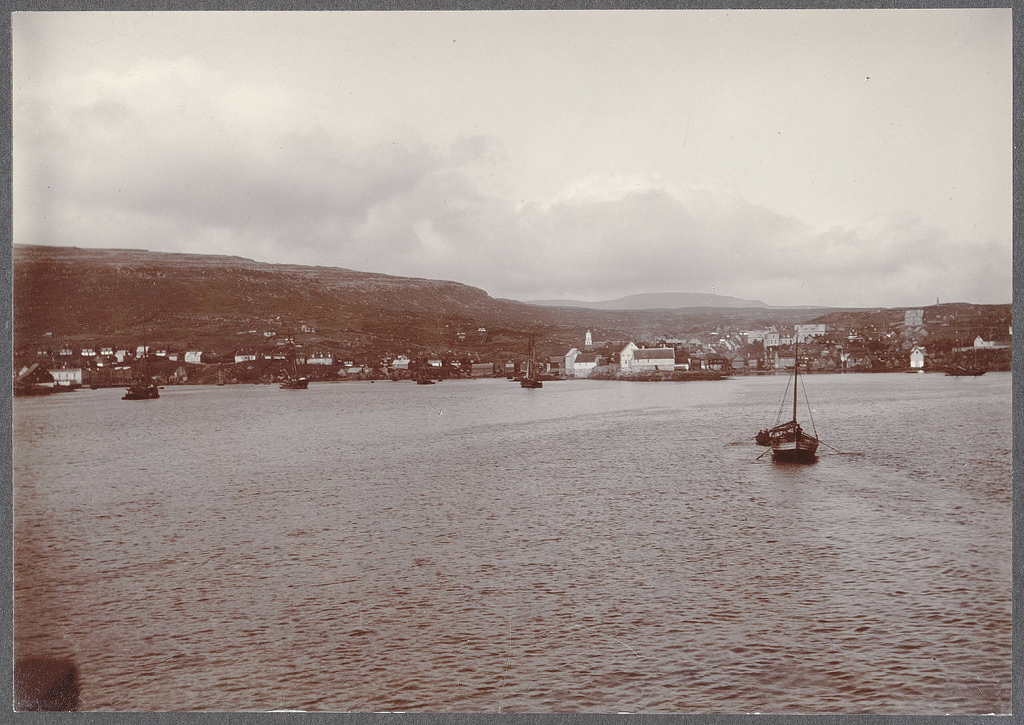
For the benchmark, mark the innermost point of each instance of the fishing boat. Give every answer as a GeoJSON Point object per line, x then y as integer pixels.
{"type": "Point", "coordinates": [531, 379]}
{"type": "Point", "coordinates": [294, 381]}
{"type": "Point", "coordinates": [959, 370]}
{"type": "Point", "coordinates": [142, 387]}
{"type": "Point", "coordinates": [788, 441]}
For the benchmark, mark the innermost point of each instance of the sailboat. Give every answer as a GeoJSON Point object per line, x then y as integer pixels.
{"type": "Point", "coordinates": [142, 387]}
{"type": "Point", "coordinates": [531, 378]}
{"type": "Point", "coordinates": [960, 370]}
{"type": "Point", "coordinates": [294, 381]}
{"type": "Point", "coordinates": [789, 442]}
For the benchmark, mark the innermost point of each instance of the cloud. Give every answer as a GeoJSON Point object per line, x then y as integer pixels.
{"type": "Point", "coordinates": [172, 156]}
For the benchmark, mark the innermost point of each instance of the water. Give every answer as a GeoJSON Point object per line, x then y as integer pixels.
{"type": "Point", "coordinates": [472, 546]}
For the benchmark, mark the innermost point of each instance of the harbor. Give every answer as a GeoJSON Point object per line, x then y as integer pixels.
{"type": "Point", "coordinates": [469, 546]}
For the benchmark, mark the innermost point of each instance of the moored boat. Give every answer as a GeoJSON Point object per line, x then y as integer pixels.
{"type": "Point", "coordinates": [142, 389]}
{"type": "Point", "coordinates": [294, 381]}
{"type": "Point", "coordinates": [961, 371]}
{"type": "Point", "coordinates": [788, 441]}
{"type": "Point", "coordinates": [531, 379]}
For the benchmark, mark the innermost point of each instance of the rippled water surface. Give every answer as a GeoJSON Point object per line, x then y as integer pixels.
{"type": "Point", "coordinates": [473, 546]}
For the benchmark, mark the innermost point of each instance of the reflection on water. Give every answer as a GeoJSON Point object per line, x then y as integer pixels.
{"type": "Point", "coordinates": [473, 546]}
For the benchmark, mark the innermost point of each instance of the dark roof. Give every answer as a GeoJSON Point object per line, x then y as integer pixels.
{"type": "Point", "coordinates": [587, 357]}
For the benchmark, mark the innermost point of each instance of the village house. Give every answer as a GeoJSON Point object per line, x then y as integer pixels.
{"type": "Point", "coordinates": [982, 344]}
{"type": "Point", "coordinates": [633, 359]}
{"type": "Point", "coordinates": [917, 358]}
{"type": "Point", "coordinates": [580, 364]}
{"type": "Point", "coordinates": [807, 332]}
{"type": "Point", "coordinates": [194, 357]}
{"type": "Point", "coordinates": [482, 370]}
{"type": "Point", "coordinates": [68, 377]}
{"type": "Point", "coordinates": [245, 356]}
{"type": "Point", "coordinates": [320, 358]}
{"type": "Point", "coordinates": [784, 362]}
{"type": "Point", "coordinates": [179, 376]}
{"type": "Point", "coordinates": [400, 363]}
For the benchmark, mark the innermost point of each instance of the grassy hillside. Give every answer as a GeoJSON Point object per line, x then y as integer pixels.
{"type": "Point", "coordinates": [127, 297]}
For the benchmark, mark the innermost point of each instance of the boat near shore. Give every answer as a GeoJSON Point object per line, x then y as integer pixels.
{"type": "Point", "coordinates": [142, 389]}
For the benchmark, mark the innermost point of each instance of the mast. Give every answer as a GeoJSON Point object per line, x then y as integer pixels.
{"type": "Point", "coordinates": [796, 371]}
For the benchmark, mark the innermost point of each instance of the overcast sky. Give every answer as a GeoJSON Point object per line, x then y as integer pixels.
{"type": "Point", "coordinates": [840, 157]}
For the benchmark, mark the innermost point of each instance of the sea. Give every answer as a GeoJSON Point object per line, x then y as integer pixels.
{"type": "Point", "coordinates": [472, 546]}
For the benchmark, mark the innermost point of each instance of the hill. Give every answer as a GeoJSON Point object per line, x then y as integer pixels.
{"type": "Point", "coordinates": [657, 300]}
{"type": "Point", "coordinates": [95, 297]}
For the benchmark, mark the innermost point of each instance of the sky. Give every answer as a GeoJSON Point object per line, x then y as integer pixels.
{"type": "Point", "coordinates": [800, 157]}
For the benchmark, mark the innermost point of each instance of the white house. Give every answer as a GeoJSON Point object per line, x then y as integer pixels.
{"type": "Point", "coordinates": [654, 358]}
{"type": "Point", "coordinates": [580, 364]}
{"type": "Point", "coordinates": [917, 358]}
{"type": "Point", "coordinates": [771, 337]}
{"type": "Point", "coordinates": [245, 356]}
{"type": "Point", "coordinates": [141, 350]}
{"type": "Point", "coordinates": [626, 356]}
{"type": "Point", "coordinates": [88, 352]}
{"type": "Point", "coordinates": [120, 355]}
{"type": "Point", "coordinates": [400, 363]}
{"type": "Point", "coordinates": [66, 376]}
{"type": "Point", "coordinates": [320, 358]}
{"type": "Point", "coordinates": [913, 318]}
{"type": "Point", "coordinates": [805, 332]}
{"type": "Point", "coordinates": [981, 343]}
{"type": "Point", "coordinates": [194, 356]}
{"type": "Point", "coordinates": [646, 359]}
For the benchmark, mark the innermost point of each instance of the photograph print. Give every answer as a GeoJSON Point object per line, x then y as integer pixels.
{"type": "Point", "coordinates": [602, 361]}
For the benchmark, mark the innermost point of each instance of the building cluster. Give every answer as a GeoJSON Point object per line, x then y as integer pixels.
{"type": "Point", "coordinates": [822, 348]}
{"type": "Point", "coordinates": [896, 345]}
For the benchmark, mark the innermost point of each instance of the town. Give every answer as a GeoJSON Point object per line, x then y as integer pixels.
{"type": "Point", "coordinates": [924, 340]}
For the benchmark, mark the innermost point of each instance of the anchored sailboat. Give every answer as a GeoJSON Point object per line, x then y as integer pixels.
{"type": "Point", "coordinates": [294, 381]}
{"type": "Point", "coordinates": [789, 442]}
{"type": "Point", "coordinates": [532, 377]}
{"type": "Point", "coordinates": [142, 386]}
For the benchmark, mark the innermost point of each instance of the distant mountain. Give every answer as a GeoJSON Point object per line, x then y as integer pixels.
{"type": "Point", "coordinates": [656, 301]}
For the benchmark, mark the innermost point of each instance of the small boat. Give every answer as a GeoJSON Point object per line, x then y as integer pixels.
{"type": "Point", "coordinates": [961, 371]}
{"type": "Point", "coordinates": [788, 441]}
{"type": "Point", "coordinates": [141, 389]}
{"type": "Point", "coordinates": [294, 381]}
{"type": "Point", "coordinates": [531, 379]}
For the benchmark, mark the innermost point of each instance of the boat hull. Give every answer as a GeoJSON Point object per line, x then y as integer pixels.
{"type": "Point", "coordinates": [300, 384]}
{"type": "Point", "coordinates": [147, 393]}
{"type": "Point", "coordinates": [803, 450]}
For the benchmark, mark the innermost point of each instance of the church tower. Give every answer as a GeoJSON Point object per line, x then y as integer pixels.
{"type": "Point", "coordinates": [589, 340]}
